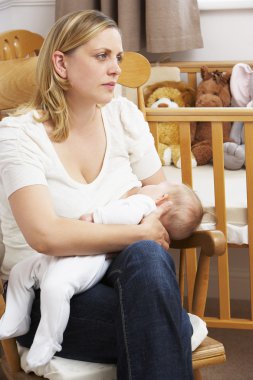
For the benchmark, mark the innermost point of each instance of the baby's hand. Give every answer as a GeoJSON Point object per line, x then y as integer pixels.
{"type": "Point", "coordinates": [87, 218]}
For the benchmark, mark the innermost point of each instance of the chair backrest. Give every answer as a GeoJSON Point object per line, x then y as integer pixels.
{"type": "Point", "coordinates": [136, 71]}
{"type": "Point", "coordinates": [18, 83]}
{"type": "Point", "coordinates": [19, 44]}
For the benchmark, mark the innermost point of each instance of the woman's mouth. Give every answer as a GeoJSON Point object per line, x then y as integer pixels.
{"type": "Point", "coordinates": [110, 85]}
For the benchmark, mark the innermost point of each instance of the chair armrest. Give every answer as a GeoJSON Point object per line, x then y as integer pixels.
{"type": "Point", "coordinates": [212, 242]}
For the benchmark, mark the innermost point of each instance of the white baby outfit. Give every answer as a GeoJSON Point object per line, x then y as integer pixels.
{"type": "Point", "coordinates": [73, 275]}
{"type": "Point", "coordinates": [59, 278]}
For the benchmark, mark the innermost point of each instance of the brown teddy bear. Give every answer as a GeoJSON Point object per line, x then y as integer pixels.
{"type": "Point", "coordinates": [172, 95]}
{"type": "Point", "coordinates": [213, 91]}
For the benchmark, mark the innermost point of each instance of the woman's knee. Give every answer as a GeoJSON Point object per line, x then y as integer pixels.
{"type": "Point", "coordinates": [145, 261]}
{"type": "Point", "coordinates": [147, 253]}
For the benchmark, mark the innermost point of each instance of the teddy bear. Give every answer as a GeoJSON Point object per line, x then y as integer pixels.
{"type": "Point", "coordinates": [172, 95]}
{"type": "Point", "coordinates": [241, 86]}
{"type": "Point", "coordinates": [212, 91]}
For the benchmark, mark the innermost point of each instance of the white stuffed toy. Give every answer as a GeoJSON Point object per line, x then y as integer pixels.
{"type": "Point", "coordinates": [241, 86]}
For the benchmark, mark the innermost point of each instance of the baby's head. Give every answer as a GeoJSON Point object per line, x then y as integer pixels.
{"type": "Point", "coordinates": [185, 213]}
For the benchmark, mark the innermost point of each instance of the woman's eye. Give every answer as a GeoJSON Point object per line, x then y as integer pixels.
{"type": "Point", "coordinates": [101, 56]}
{"type": "Point", "coordinates": [119, 58]}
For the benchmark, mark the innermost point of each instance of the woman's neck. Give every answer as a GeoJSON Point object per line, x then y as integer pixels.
{"type": "Point", "coordinates": [83, 119]}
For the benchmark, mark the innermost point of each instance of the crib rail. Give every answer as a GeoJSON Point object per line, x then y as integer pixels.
{"type": "Point", "coordinates": [192, 69]}
{"type": "Point", "coordinates": [216, 116]}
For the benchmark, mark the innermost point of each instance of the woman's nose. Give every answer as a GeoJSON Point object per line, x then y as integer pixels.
{"type": "Point", "coordinates": [114, 67]}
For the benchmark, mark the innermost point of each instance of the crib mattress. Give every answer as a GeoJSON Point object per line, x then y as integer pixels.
{"type": "Point", "coordinates": [235, 193]}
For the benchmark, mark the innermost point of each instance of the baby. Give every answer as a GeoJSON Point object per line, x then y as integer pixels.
{"type": "Point", "coordinates": [183, 217]}
{"type": "Point", "coordinates": [59, 278]}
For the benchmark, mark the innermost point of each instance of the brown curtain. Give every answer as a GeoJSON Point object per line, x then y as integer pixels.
{"type": "Point", "coordinates": [157, 26]}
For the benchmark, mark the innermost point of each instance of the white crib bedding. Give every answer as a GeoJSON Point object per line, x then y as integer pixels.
{"type": "Point", "coordinates": [236, 198]}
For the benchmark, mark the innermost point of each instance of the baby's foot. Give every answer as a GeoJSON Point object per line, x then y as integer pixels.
{"type": "Point", "coordinates": [41, 353]}
{"type": "Point", "coordinates": [199, 330]}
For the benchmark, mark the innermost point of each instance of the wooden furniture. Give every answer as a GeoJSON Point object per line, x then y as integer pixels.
{"type": "Point", "coordinates": [16, 44]}
{"type": "Point", "coordinates": [135, 71]}
{"type": "Point", "coordinates": [19, 44]}
{"type": "Point", "coordinates": [216, 116]}
{"type": "Point", "coordinates": [17, 82]}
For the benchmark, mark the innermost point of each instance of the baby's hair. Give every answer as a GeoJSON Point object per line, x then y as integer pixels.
{"type": "Point", "coordinates": [186, 214]}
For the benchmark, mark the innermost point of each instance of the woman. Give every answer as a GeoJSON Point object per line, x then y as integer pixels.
{"type": "Point", "coordinates": [76, 145]}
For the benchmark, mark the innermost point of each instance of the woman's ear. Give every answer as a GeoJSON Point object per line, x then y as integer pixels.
{"type": "Point", "coordinates": [59, 64]}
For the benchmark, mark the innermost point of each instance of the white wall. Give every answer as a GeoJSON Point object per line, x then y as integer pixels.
{"type": "Point", "coordinates": [227, 35]}
{"type": "Point", "coordinates": [34, 15]}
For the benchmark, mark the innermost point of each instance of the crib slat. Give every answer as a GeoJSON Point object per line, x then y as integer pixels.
{"type": "Point", "coordinates": [191, 270]}
{"type": "Point", "coordinates": [186, 173]}
{"type": "Point", "coordinates": [192, 80]}
{"type": "Point", "coordinates": [220, 202]}
{"type": "Point", "coordinates": [248, 129]}
{"type": "Point", "coordinates": [185, 151]}
{"type": "Point", "coordinates": [153, 126]}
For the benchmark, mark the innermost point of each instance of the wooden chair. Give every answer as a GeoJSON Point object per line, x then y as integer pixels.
{"type": "Point", "coordinates": [135, 72]}
{"type": "Point", "coordinates": [19, 44]}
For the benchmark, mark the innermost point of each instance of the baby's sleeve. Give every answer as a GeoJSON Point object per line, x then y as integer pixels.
{"type": "Point", "coordinates": [129, 210]}
{"type": "Point", "coordinates": [21, 161]}
{"type": "Point", "coordinates": [140, 142]}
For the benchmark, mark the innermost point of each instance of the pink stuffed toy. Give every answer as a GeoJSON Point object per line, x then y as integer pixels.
{"type": "Point", "coordinates": [241, 86]}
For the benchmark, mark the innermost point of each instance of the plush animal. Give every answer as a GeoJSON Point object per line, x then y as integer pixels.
{"type": "Point", "coordinates": [172, 95]}
{"type": "Point", "coordinates": [241, 86]}
{"type": "Point", "coordinates": [212, 91]}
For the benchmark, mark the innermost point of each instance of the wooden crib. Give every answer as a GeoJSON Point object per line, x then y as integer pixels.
{"type": "Point", "coordinates": [219, 182]}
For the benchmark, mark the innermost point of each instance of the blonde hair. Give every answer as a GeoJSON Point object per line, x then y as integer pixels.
{"type": "Point", "coordinates": [186, 213]}
{"type": "Point", "coordinates": [67, 34]}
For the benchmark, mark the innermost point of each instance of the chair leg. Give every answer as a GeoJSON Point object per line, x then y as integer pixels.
{"type": "Point", "coordinates": [197, 374]}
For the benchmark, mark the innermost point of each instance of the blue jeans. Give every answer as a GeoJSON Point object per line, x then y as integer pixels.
{"type": "Point", "coordinates": [133, 318]}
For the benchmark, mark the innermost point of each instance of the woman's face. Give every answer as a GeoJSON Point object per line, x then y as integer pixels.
{"type": "Point", "coordinates": [93, 68]}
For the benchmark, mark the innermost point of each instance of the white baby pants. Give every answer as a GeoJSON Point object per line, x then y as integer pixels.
{"type": "Point", "coordinates": [59, 278]}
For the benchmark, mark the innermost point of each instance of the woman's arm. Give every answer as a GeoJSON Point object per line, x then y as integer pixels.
{"type": "Point", "coordinates": [155, 178]}
{"type": "Point", "coordinates": [47, 233]}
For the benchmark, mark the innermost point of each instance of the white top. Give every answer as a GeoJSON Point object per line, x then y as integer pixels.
{"type": "Point", "coordinates": [27, 157]}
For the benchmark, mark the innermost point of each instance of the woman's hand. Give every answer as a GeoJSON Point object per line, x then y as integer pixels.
{"type": "Point", "coordinates": [154, 228]}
